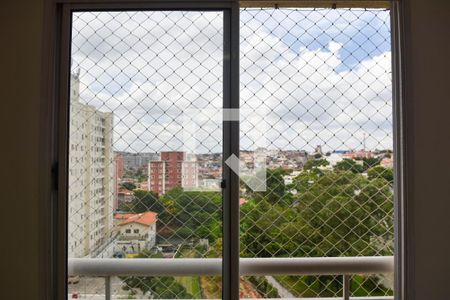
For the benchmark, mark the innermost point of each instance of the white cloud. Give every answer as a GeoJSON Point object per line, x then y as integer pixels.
{"type": "Point", "coordinates": [150, 67]}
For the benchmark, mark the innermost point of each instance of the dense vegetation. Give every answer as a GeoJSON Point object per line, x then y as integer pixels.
{"type": "Point", "coordinates": [186, 214]}
{"type": "Point", "coordinates": [342, 211]}
{"type": "Point", "coordinates": [331, 213]}
{"type": "Point", "coordinates": [325, 212]}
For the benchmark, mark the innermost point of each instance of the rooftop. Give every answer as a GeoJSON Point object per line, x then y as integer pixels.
{"type": "Point", "coordinates": [146, 218]}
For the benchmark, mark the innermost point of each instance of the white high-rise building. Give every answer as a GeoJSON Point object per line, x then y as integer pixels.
{"type": "Point", "coordinates": [91, 177]}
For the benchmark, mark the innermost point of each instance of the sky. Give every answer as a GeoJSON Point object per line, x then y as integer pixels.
{"type": "Point", "coordinates": [308, 78]}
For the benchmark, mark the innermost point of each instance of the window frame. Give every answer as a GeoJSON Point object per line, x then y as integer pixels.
{"type": "Point", "coordinates": [54, 132]}
{"type": "Point", "coordinates": [57, 132]}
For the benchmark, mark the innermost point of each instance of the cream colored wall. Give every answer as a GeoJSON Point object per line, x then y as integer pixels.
{"type": "Point", "coordinates": [90, 212]}
{"type": "Point", "coordinates": [142, 229]}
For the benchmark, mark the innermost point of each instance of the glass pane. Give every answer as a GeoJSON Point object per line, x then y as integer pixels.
{"type": "Point", "coordinates": [145, 147]}
{"type": "Point", "coordinates": [316, 111]}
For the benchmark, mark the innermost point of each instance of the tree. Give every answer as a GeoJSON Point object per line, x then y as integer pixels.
{"type": "Point", "coordinates": [128, 185]}
{"type": "Point", "coordinates": [141, 175]}
{"type": "Point", "coordinates": [315, 163]}
{"type": "Point", "coordinates": [262, 225]}
{"type": "Point", "coordinates": [143, 201]}
{"type": "Point", "coordinates": [138, 174]}
{"type": "Point", "coordinates": [340, 213]}
{"type": "Point", "coordinates": [381, 172]}
{"type": "Point", "coordinates": [370, 162]}
{"type": "Point", "coordinates": [275, 187]}
{"type": "Point", "coordinates": [334, 213]}
{"type": "Point", "coordinates": [349, 165]}
{"type": "Point", "coordinates": [193, 214]}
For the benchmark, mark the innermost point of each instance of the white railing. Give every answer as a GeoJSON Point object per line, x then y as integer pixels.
{"type": "Point", "coordinates": [344, 266]}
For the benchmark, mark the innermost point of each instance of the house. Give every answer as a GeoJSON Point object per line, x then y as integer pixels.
{"type": "Point", "coordinates": [358, 154]}
{"type": "Point", "coordinates": [210, 183]}
{"type": "Point", "coordinates": [288, 179]}
{"type": "Point", "coordinates": [135, 231]}
{"type": "Point", "coordinates": [387, 162]}
{"type": "Point", "coordinates": [334, 158]}
{"type": "Point", "coordinates": [124, 195]}
{"type": "Point", "coordinates": [144, 185]}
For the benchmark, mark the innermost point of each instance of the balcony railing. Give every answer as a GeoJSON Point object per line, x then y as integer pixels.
{"type": "Point", "coordinates": [344, 266]}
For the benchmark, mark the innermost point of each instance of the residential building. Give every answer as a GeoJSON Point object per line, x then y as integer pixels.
{"type": "Point", "coordinates": [91, 176]}
{"type": "Point", "coordinates": [118, 175]}
{"type": "Point", "coordinates": [334, 158]}
{"type": "Point", "coordinates": [318, 150]}
{"type": "Point", "coordinates": [173, 169]}
{"type": "Point", "coordinates": [210, 183]}
{"type": "Point", "coordinates": [143, 185]}
{"type": "Point", "coordinates": [135, 161]}
{"type": "Point", "coordinates": [136, 232]}
{"type": "Point", "coordinates": [124, 195]}
{"type": "Point", "coordinates": [118, 158]}
{"type": "Point", "coordinates": [387, 162]}
{"type": "Point", "coordinates": [288, 179]}
{"type": "Point", "coordinates": [358, 154]}
{"type": "Point", "coordinates": [157, 177]}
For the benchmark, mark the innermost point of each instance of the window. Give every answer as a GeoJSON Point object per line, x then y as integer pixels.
{"type": "Point", "coordinates": [304, 155]}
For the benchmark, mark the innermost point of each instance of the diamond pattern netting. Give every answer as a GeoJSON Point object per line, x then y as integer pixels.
{"type": "Point", "coordinates": [315, 100]}
{"type": "Point", "coordinates": [135, 77]}
{"type": "Point", "coordinates": [323, 79]}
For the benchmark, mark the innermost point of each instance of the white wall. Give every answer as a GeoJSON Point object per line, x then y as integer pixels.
{"type": "Point", "coordinates": [150, 231]}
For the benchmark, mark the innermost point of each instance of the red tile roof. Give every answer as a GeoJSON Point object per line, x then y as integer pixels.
{"type": "Point", "coordinates": [123, 216]}
{"type": "Point", "coordinates": [125, 191]}
{"type": "Point", "coordinates": [146, 218]}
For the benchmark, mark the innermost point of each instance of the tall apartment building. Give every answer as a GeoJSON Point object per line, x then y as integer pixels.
{"type": "Point", "coordinates": [134, 161]}
{"type": "Point", "coordinates": [119, 172]}
{"type": "Point", "coordinates": [173, 169]}
{"type": "Point", "coordinates": [119, 165]}
{"type": "Point", "coordinates": [91, 176]}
